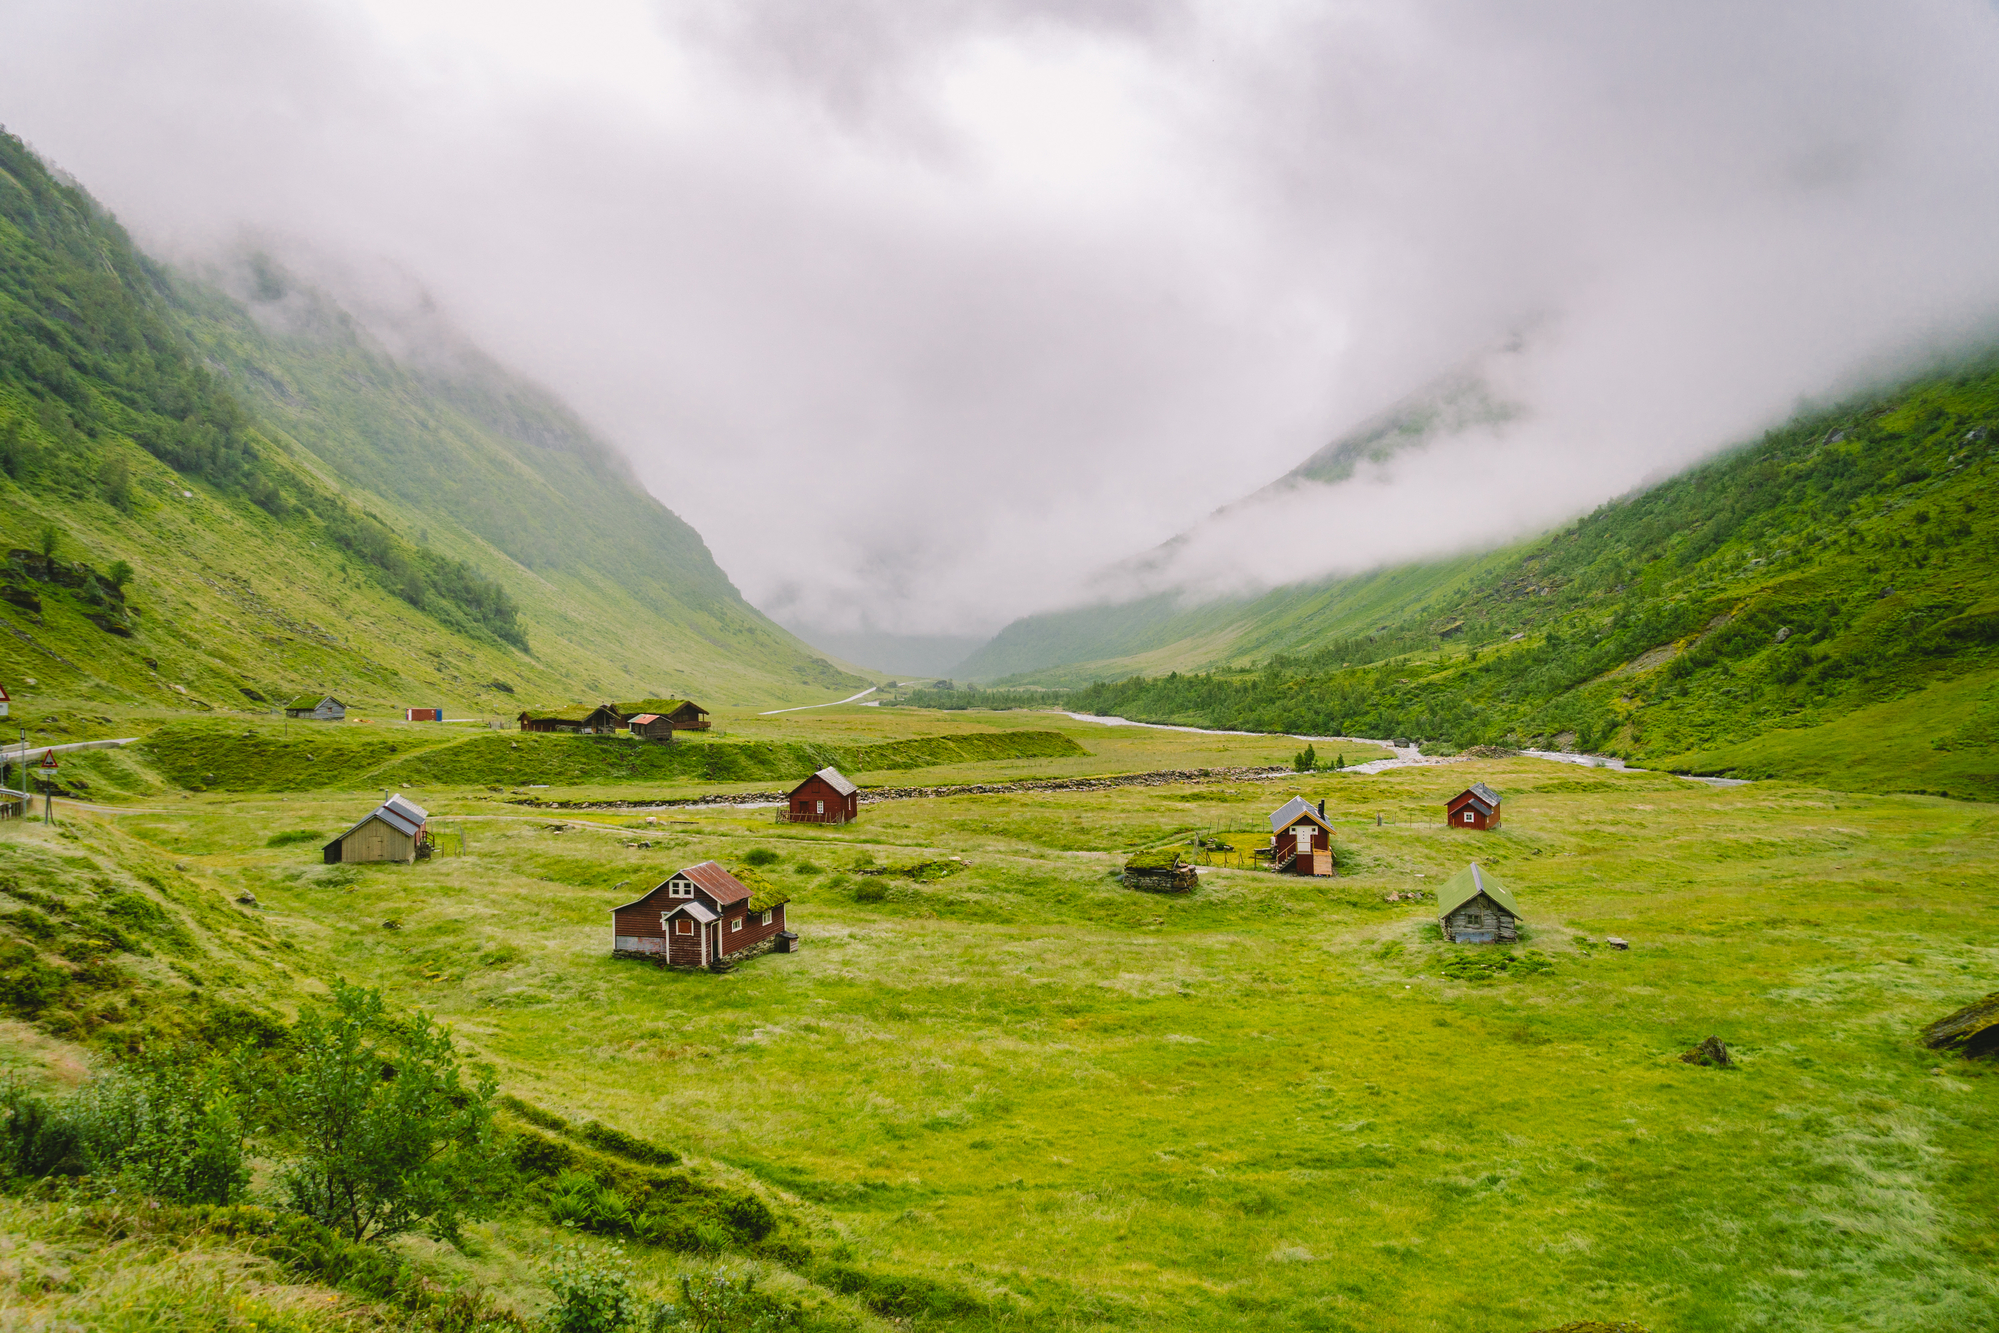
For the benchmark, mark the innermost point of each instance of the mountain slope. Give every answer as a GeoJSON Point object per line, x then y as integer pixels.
{"type": "Point", "coordinates": [1839, 565]}
{"type": "Point", "coordinates": [305, 511]}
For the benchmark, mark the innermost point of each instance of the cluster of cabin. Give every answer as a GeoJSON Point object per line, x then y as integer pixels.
{"type": "Point", "coordinates": [647, 719]}
{"type": "Point", "coordinates": [1473, 907]}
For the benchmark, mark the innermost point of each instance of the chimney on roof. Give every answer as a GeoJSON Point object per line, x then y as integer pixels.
{"type": "Point", "coordinates": [1322, 809]}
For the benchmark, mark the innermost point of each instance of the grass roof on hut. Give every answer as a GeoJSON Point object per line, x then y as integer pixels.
{"type": "Point", "coordinates": [1972, 1030]}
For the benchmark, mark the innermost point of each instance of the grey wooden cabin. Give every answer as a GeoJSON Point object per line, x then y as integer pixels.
{"type": "Point", "coordinates": [1475, 908]}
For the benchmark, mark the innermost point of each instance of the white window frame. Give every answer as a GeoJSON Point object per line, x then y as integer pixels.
{"type": "Point", "coordinates": [680, 890]}
{"type": "Point", "coordinates": [822, 807]}
{"type": "Point", "coordinates": [766, 920]}
{"type": "Point", "coordinates": [735, 923]}
{"type": "Point", "coordinates": [1467, 816]}
{"type": "Point", "coordinates": [683, 927]}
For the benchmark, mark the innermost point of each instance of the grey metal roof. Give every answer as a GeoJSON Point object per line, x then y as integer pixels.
{"type": "Point", "coordinates": [700, 911]}
{"type": "Point", "coordinates": [398, 812]}
{"type": "Point", "coordinates": [1485, 793]}
{"type": "Point", "coordinates": [833, 779]}
{"type": "Point", "coordinates": [1468, 884]}
{"type": "Point", "coordinates": [1288, 813]}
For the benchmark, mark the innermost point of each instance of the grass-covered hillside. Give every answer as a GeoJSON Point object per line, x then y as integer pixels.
{"type": "Point", "coordinates": [216, 500]}
{"type": "Point", "coordinates": [1823, 603]}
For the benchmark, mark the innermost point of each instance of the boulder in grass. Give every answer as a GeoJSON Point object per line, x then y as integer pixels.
{"type": "Point", "coordinates": [1712, 1053]}
{"type": "Point", "coordinates": [1972, 1030]}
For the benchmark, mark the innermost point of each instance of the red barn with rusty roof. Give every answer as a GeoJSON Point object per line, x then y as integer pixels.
{"type": "Point", "coordinates": [824, 798]}
{"type": "Point", "coordinates": [699, 917]}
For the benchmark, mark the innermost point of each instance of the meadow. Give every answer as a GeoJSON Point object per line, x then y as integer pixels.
{"type": "Point", "coordinates": [1273, 1102]}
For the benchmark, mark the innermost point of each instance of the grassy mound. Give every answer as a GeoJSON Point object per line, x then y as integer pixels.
{"type": "Point", "coordinates": [204, 755]}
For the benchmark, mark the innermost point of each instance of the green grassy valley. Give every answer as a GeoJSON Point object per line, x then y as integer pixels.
{"type": "Point", "coordinates": [1828, 587]}
{"type": "Point", "coordinates": [998, 1089]}
{"type": "Point", "coordinates": [997, 1086]}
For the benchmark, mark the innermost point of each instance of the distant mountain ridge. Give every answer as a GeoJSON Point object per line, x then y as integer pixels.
{"type": "Point", "coordinates": [304, 509]}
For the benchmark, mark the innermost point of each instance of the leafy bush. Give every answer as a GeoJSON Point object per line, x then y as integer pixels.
{"type": "Point", "coordinates": [38, 1139]}
{"type": "Point", "coordinates": [387, 1133]}
{"type": "Point", "coordinates": [578, 1200]}
{"type": "Point", "coordinates": [593, 1294]}
{"type": "Point", "coordinates": [760, 856]}
{"type": "Point", "coordinates": [173, 1126]}
{"type": "Point", "coordinates": [716, 1305]}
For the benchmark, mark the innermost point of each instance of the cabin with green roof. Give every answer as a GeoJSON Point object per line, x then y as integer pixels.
{"type": "Point", "coordinates": [684, 714]}
{"type": "Point", "coordinates": [1473, 907]}
{"type": "Point", "coordinates": [577, 719]}
{"type": "Point", "coordinates": [316, 708]}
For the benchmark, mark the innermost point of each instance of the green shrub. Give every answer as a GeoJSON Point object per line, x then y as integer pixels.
{"type": "Point", "coordinates": [586, 1203]}
{"type": "Point", "coordinates": [592, 1293]}
{"type": "Point", "coordinates": [870, 891]}
{"type": "Point", "coordinates": [387, 1133]}
{"type": "Point", "coordinates": [760, 856]}
{"type": "Point", "coordinates": [173, 1126]}
{"type": "Point", "coordinates": [715, 1303]}
{"type": "Point", "coordinates": [38, 1139]}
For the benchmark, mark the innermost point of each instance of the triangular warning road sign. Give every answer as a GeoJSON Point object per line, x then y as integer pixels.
{"type": "Point", "coordinates": [48, 759]}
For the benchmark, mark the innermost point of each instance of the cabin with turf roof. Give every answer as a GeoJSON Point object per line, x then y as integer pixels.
{"type": "Point", "coordinates": [316, 708]}
{"type": "Point", "coordinates": [395, 830]}
{"type": "Point", "coordinates": [576, 719]}
{"type": "Point", "coordinates": [685, 714]}
{"type": "Point", "coordinates": [1473, 907]}
{"type": "Point", "coordinates": [824, 798]}
{"type": "Point", "coordinates": [1476, 807]}
{"type": "Point", "coordinates": [702, 916]}
{"type": "Point", "coordinates": [1301, 841]}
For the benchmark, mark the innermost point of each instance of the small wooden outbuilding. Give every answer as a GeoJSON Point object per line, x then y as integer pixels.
{"type": "Point", "coordinates": [1301, 841]}
{"type": "Point", "coordinates": [316, 708]}
{"type": "Point", "coordinates": [395, 830]}
{"type": "Point", "coordinates": [683, 713]}
{"type": "Point", "coordinates": [1475, 908]}
{"type": "Point", "coordinates": [824, 798]}
{"type": "Point", "coordinates": [579, 719]}
{"type": "Point", "coordinates": [700, 916]}
{"type": "Point", "coordinates": [423, 715]}
{"type": "Point", "coordinates": [1476, 807]}
{"type": "Point", "coordinates": [650, 727]}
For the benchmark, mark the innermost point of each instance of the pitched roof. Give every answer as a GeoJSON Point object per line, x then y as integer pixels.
{"type": "Point", "coordinates": [399, 813]}
{"type": "Point", "coordinates": [643, 718]}
{"type": "Point", "coordinates": [1485, 793]}
{"type": "Point", "coordinates": [566, 713]}
{"type": "Point", "coordinates": [694, 908]}
{"type": "Point", "coordinates": [1467, 884]}
{"type": "Point", "coordinates": [661, 707]}
{"type": "Point", "coordinates": [722, 886]}
{"type": "Point", "coordinates": [313, 701]}
{"type": "Point", "coordinates": [832, 778]}
{"type": "Point", "coordinates": [1288, 814]}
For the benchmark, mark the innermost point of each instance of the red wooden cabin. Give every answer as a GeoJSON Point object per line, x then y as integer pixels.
{"type": "Point", "coordinates": [685, 714]}
{"type": "Point", "coordinates": [699, 917]}
{"type": "Point", "coordinates": [1301, 841]}
{"type": "Point", "coordinates": [1476, 807]}
{"type": "Point", "coordinates": [824, 798]}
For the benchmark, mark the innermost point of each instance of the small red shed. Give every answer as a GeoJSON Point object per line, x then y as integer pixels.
{"type": "Point", "coordinates": [699, 917]}
{"type": "Point", "coordinates": [1476, 807]}
{"type": "Point", "coordinates": [1301, 841]}
{"type": "Point", "coordinates": [824, 798]}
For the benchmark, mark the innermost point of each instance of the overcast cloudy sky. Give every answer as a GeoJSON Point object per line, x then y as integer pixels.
{"type": "Point", "coordinates": [926, 311]}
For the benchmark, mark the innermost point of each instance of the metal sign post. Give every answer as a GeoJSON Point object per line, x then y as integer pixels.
{"type": "Point", "coordinates": [48, 768]}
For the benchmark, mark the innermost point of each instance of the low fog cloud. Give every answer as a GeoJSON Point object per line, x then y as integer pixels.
{"type": "Point", "coordinates": [928, 314]}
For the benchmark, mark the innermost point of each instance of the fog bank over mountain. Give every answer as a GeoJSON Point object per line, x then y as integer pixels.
{"type": "Point", "coordinates": [927, 316]}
